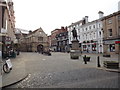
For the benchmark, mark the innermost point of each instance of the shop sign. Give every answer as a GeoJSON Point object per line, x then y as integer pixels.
{"type": "Point", "coordinates": [109, 42]}
{"type": "Point", "coordinates": [8, 40]}
{"type": "Point", "coordinates": [117, 42]}
{"type": "Point", "coordinates": [3, 30]}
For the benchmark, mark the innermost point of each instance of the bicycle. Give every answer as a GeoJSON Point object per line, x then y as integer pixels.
{"type": "Point", "coordinates": [7, 66]}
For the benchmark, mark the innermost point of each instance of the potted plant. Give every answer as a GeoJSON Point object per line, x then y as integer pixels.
{"type": "Point", "coordinates": [86, 58]}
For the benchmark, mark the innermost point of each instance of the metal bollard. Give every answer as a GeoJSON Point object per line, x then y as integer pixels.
{"type": "Point", "coordinates": [85, 59]}
{"type": "Point", "coordinates": [98, 61]}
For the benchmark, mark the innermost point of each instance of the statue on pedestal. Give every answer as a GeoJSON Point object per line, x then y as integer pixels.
{"type": "Point", "coordinates": [74, 32]}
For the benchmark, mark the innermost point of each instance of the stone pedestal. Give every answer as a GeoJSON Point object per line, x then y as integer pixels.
{"type": "Point", "coordinates": [75, 45]}
{"type": "Point", "coordinates": [75, 50]}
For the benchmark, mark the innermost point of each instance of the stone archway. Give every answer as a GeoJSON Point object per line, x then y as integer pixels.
{"type": "Point", "coordinates": [40, 48]}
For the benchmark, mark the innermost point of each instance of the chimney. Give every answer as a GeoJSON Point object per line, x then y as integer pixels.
{"type": "Point", "coordinates": [86, 19]}
{"type": "Point", "coordinates": [100, 14]}
{"type": "Point", "coordinates": [119, 6]}
{"type": "Point", "coordinates": [62, 28]}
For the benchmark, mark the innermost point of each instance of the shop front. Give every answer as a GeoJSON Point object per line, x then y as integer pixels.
{"type": "Point", "coordinates": [111, 46]}
{"type": "Point", "coordinates": [7, 47]}
{"type": "Point", "coordinates": [89, 47]}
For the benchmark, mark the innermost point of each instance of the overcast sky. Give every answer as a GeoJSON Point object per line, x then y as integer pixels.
{"type": "Point", "coordinates": [52, 14]}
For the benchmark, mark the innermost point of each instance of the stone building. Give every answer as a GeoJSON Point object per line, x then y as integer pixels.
{"type": "Point", "coordinates": [36, 41]}
{"type": "Point", "coordinates": [7, 25]}
{"type": "Point", "coordinates": [111, 29]}
{"type": "Point", "coordinates": [20, 36]}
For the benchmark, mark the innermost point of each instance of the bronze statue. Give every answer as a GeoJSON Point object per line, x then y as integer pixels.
{"type": "Point", "coordinates": [74, 32]}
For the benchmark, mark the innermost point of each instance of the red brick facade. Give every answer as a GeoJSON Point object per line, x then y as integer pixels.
{"type": "Point", "coordinates": [53, 36]}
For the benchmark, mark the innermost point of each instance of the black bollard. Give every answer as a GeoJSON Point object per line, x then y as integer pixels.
{"type": "Point", "coordinates": [85, 59]}
{"type": "Point", "coordinates": [98, 61]}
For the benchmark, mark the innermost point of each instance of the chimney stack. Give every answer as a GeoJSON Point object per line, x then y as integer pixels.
{"type": "Point", "coordinates": [101, 14]}
{"type": "Point", "coordinates": [86, 19]}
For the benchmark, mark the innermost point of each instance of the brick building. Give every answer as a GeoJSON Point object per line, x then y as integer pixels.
{"type": "Point", "coordinates": [111, 29]}
{"type": "Point", "coordinates": [62, 42]}
{"type": "Point", "coordinates": [53, 37]}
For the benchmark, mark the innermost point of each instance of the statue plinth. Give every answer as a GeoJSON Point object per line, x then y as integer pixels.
{"type": "Point", "coordinates": [75, 50]}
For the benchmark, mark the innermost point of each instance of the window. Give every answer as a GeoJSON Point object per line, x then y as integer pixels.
{"type": "Point", "coordinates": [99, 25]}
{"type": "Point", "coordinates": [40, 38]}
{"type": "Point", "coordinates": [84, 47]}
{"type": "Point", "coordinates": [86, 29]}
{"type": "Point", "coordinates": [109, 21]}
{"type": "Point", "coordinates": [94, 35]}
{"type": "Point", "coordinates": [93, 26]}
{"type": "Point", "coordinates": [100, 33]}
{"type": "Point", "coordinates": [119, 30]}
{"type": "Point", "coordinates": [83, 29]}
{"type": "Point", "coordinates": [110, 32]}
{"type": "Point", "coordinates": [94, 47]}
{"type": "Point", "coordinates": [119, 18]}
{"type": "Point", "coordinates": [112, 47]}
{"type": "Point", "coordinates": [89, 27]}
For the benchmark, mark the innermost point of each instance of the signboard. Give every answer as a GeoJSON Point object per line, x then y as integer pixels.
{"type": "Point", "coordinates": [117, 42]}
{"type": "Point", "coordinates": [109, 42]}
{"type": "Point", "coordinates": [7, 40]}
{"type": "Point", "coordinates": [9, 63]}
{"type": "Point", "coordinates": [3, 30]}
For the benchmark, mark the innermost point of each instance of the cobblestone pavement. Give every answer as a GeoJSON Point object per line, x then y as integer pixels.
{"type": "Point", "coordinates": [59, 71]}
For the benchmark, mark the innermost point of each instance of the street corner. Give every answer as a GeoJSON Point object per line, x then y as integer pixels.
{"type": "Point", "coordinates": [15, 81]}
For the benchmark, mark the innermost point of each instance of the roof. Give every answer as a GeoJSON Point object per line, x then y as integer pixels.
{"type": "Point", "coordinates": [111, 15]}
{"type": "Point", "coordinates": [18, 30]}
{"type": "Point", "coordinates": [80, 21]}
{"type": "Point", "coordinates": [39, 29]}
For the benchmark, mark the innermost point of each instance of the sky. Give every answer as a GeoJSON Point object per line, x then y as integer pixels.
{"type": "Point", "coordinates": [52, 14]}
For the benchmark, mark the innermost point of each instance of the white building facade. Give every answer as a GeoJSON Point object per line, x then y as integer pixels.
{"type": "Point", "coordinates": [92, 37]}
{"type": "Point", "coordinates": [89, 34]}
{"type": "Point", "coordinates": [77, 26]}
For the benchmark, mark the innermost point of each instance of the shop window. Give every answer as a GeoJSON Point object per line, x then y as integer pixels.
{"type": "Point", "coordinates": [110, 32]}
{"type": "Point", "coordinates": [94, 47]}
{"type": "Point", "coordinates": [112, 47]}
{"type": "Point", "coordinates": [84, 47]}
